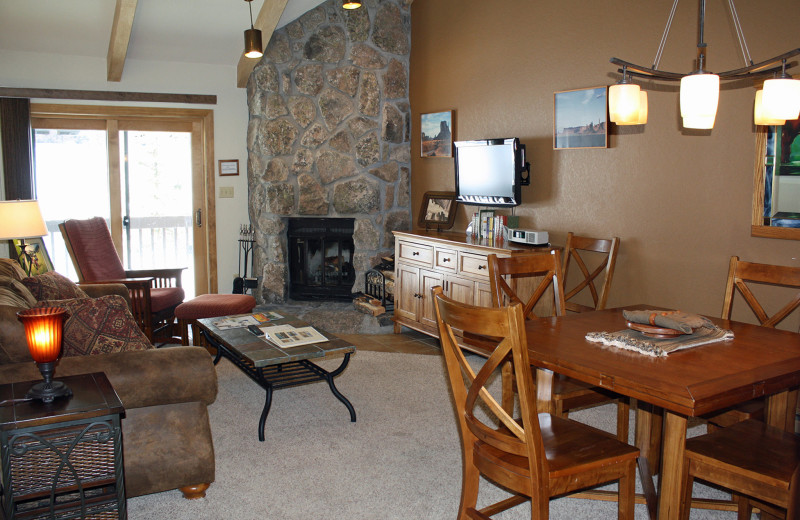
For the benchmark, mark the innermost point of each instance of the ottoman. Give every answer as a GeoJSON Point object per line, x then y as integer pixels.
{"type": "Point", "coordinates": [210, 306]}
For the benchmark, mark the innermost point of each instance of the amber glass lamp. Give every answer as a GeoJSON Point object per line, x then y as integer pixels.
{"type": "Point", "coordinates": [43, 328]}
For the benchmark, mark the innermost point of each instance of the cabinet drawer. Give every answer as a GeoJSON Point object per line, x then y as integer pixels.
{"type": "Point", "coordinates": [418, 254]}
{"type": "Point", "coordinates": [445, 259]}
{"type": "Point", "coordinates": [471, 264]}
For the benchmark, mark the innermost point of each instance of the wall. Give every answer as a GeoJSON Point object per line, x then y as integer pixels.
{"type": "Point", "coordinates": [56, 71]}
{"type": "Point", "coordinates": [679, 200]}
{"type": "Point", "coordinates": [329, 134]}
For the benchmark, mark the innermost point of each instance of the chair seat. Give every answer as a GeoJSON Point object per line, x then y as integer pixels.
{"type": "Point", "coordinates": [565, 443]}
{"type": "Point", "coordinates": [213, 305]}
{"type": "Point", "coordinates": [165, 298]}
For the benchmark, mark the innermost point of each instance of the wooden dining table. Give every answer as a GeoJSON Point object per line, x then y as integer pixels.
{"type": "Point", "coordinates": [757, 362]}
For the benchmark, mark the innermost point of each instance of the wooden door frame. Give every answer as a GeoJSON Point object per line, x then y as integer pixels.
{"type": "Point", "coordinates": [200, 120]}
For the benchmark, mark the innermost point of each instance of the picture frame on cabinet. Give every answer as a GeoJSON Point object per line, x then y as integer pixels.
{"type": "Point", "coordinates": [580, 118]}
{"type": "Point", "coordinates": [438, 210]}
{"type": "Point", "coordinates": [436, 134]}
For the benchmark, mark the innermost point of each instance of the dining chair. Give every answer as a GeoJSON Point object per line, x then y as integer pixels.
{"type": "Point", "coordinates": [536, 456]}
{"type": "Point", "coordinates": [155, 293]}
{"type": "Point", "coordinates": [601, 255]}
{"type": "Point", "coordinates": [742, 279]}
{"type": "Point", "coordinates": [758, 463]}
{"type": "Point", "coordinates": [541, 272]}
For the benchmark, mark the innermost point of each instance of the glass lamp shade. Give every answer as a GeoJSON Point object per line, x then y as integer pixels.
{"type": "Point", "coordinates": [349, 4]}
{"type": "Point", "coordinates": [642, 107]}
{"type": "Point", "coordinates": [699, 99]}
{"type": "Point", "coordinates": [759, 117]}
{"type": "Point", "coordinates": [252, 43]}
{"type": "Point", "coordinates": [43, 328]}
{"type": "Point", "coordinates": [21, 219]}
{"type": "Point", "coordinates": [623, 103]}
{"type": "Point", "coordinates": [781, 98]}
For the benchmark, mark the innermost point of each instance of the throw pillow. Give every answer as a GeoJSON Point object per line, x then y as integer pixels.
{"type": "Point", "coordinates": [13, 293]}
{"type": "Point", "coordinates": [99, 326]}
{"type": "Point", "coordinates": [53, 286]}
{"type": "Point", "coordinates": [9, 267]}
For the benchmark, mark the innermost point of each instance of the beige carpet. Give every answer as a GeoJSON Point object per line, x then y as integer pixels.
{"type": "Point", "coordinates": [399, 460]}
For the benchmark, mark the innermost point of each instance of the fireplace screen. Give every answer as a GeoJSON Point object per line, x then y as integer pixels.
{"type": "Point", "coordinates": [321, 258]}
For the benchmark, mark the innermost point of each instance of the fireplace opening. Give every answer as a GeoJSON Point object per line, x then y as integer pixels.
{"type": "Point", "coordinates": [321, 258]}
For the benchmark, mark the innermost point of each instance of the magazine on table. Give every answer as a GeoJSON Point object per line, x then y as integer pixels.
{"type": "Point", "coordinates": [287, 336]}
{"type": "Point", "coordinates": [238, 322]}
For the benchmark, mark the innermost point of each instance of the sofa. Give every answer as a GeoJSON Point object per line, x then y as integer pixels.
{"type": "Point", "coordinates": [167, 441]}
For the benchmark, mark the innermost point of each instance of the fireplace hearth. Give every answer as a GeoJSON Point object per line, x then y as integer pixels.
{"type": "Point", "coordinates": [321, 258]}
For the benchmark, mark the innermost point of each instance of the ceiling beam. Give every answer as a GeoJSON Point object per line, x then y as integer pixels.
{"type": "Point", "coordinates": [266, 21]}
{"type": "Point", "coordinates": [120, 36]}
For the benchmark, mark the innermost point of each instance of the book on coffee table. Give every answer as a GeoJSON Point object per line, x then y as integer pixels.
{"type": "Point", "coordinates": [286, 336]}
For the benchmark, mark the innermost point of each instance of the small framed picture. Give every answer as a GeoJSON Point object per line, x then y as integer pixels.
{"type": "Point", "coordinates": [580, 118]}
{"type": "Point", "coordinates": [436, 132]}
{"type": "Point", "coordinates": [438, 210]}
{"type": "Point", "coordinates": [31, 255]}
{"type": "Point", "coordinates": [228, 167]}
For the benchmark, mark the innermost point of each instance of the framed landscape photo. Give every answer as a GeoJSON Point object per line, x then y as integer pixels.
{"type": "Point", "coordinates": [580, 118]}
{"type": "Point", "coordinates": [436, 131]}
{"type": "Point", "coordinates": [31, 255]}
{"type": "Point", "coordinates": [438, 210]}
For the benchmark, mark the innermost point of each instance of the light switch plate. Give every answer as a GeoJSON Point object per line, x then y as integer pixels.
{"type": "Point", "coordinates": [226, 192]}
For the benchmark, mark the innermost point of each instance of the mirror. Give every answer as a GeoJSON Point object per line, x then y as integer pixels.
{"type": "Point", "coordinates": [776, 185]}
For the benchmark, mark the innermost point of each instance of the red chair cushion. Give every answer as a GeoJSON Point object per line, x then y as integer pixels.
{"type": "Point", "coordinates": [213, 305]}
{"type": "Point", "coordinates": [94, 250]}
{"type": "Point", "coordinates": [165, 298]}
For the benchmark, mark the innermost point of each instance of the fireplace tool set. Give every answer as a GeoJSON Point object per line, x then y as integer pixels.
{"type": "Point", "coordinates": [242, 284]}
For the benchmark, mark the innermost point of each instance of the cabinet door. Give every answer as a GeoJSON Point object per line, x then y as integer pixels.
{"type": "Point", "coordinates": [406, 292]}
{"type": "Point", "coordinates": [461, 289]}
{"type": "Point", "coordinates": [483, 294]}
{"type": "Point", "coordinates": [427, 281]}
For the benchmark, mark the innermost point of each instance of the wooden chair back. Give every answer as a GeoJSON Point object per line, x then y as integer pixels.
{"type": "Point", "coordinates": [506, 276]}
{"type": "Point", "coordinates": [506, 324]}
{"type": "Point", "coordinates": [577, 250]}
{"type": "Point", "coordinates": [742, 274]}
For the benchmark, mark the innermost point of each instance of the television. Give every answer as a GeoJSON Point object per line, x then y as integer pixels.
{"type": "Point", "coordinates": [489, 171]}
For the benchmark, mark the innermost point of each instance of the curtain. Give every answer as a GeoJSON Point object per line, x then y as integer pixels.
{"type": "Point", "coordinates": [15, 134]}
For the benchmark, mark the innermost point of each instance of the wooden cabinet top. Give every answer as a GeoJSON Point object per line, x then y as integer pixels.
{"type": "Point", "coordinates": [452, 239]}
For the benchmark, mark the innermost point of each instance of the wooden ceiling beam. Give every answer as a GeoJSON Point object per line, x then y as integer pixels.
{"type": "Point", "coordinates": [266, 21]}
{"type": "Point", "coordinates": [120, 36]}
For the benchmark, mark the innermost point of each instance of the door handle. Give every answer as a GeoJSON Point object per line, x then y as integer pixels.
{"type": "Point", "coordinates": [198, 218]}
{"type": "Point", "coordinates": [126, 221]}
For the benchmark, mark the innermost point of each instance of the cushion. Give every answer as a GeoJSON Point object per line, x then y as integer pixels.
{"type": "Point", "coordinates": [213, 305]}
{"type": "Point", "coordinates": [99, 326]}
{"type": "Point", "coordinates": [93, 249]}
{"type": "Point", "coordinates": [13, 293]}
{"type": "Point", "coordinates": [9, 267]}
{"type": "Point", "coordinates": [53, 286]}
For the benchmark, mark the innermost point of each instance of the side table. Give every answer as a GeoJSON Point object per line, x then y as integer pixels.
{"type": "Point", "coordinates": [63, 459]}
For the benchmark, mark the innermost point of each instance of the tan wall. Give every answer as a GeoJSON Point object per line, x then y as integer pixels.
{"type": "Point", "coordinates": [680, 203]}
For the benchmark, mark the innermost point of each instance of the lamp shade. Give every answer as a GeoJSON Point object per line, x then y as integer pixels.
{"type": "Point", "coordinates": [623, 103]}
{"type": "Point", "coordinates": [21, 219]}
{"type": "Point", "coordinates": [350, 4]}
{"type": "Point", "coordinates": [759, 117]}
{"type": "Point", "coordinates": [252, 43]}
{"type": "Point", "coordinates": [781, 98]}
{"type": "Point", "coordinates": [43, 328]}
{"type": "Point", "coordinates": [642, 107]}
{"type": "Point", "coordinates": [699, 99]}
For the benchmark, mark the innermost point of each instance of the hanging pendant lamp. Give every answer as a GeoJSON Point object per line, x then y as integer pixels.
{"type": "Point", "coordinates": [627, 103]}
{"type": "Point", "coordinates": [781, 98]}
{"type": "Point", "coordinates": [759, 117]}
{"type": "Point", "coordinates": [252, 38]}
{"type": "Point", "coordinates": [350, 4]}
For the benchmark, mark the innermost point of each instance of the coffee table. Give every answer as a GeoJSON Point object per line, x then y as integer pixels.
{"type": "Point", "coordinates": [273, 367]}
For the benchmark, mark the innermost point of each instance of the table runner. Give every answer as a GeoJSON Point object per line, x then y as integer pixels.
{"type": "Point", "coordinates": [629, 339]}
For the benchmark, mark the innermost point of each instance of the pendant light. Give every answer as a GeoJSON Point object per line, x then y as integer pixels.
{"type": "Point", "coordinates": [252, 38]}
{"type": "Point", "coordinates": [350, 4]}
{"type": "Point", "coordinates": [627, 103]}
{"type": "Point", "coordinates": [699, 98]}
{"type": "Point", "coordinates": [759, 117]}
{"type": "Point", "coordinates": [781, 98]}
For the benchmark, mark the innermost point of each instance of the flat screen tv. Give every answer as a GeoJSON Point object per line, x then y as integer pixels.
{"type": "Point", "coordinates": [489, 171]}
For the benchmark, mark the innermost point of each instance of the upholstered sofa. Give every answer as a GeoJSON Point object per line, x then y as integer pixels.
{"type": "Point", "coordinates": [167, 440]}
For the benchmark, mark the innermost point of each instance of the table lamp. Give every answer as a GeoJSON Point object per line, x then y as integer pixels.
{"type": "Point", "coordinates": [43, 328]}
{"type": "Point", "coordinates": [21, 219]}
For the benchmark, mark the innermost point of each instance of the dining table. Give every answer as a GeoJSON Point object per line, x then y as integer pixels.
{"type": "Point", "coordinates": [756, 362]}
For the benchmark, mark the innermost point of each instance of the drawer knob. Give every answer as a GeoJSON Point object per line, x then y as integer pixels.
{"type": "Point", "coordinates": [447, 259]}
{"type": "Point", "coordinates": [481, 267]}
{"type": "Point", "coordinates": [415, 253]}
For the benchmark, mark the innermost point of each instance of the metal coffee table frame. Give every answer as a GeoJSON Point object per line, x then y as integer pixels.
{"type": "Point", "coordinates": [273, 367]}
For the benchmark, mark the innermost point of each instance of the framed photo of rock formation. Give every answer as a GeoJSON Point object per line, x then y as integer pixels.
{"type": "Point", "coordinates": [438, 210]}
{"type": "Point", "coordinates": [436, 131]}
{"type": "Point", "coordinates": [580, 118]}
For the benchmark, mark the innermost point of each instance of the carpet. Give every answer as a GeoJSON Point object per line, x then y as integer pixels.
{"type": "Point", "coordinates": [401, 459]}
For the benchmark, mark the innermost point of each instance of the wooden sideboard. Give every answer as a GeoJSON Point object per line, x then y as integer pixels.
{"type": "Point", "coordinates": [425, 259]}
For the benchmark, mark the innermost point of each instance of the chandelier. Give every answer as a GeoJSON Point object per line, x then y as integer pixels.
{"type": "Point", "coordinates": [778, 101]}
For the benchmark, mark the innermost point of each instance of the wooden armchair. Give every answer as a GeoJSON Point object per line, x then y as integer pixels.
{"type": "Point", "coordinates": [154, 292]}
{"type": "Point", "coordinates": [537, 456]}
{"type": "Point", "coordinates": [541, 271]}
{"type": "Point", "coordinates": [573, 250]}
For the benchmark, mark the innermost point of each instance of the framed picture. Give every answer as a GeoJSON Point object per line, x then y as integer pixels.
{"type": "Point", "coordinates": [580, 118]}
{"type": "Point", "coordinates": [31, 255]}
{"type": "Point", "coordinates": [438, 210]}
{"type": "Point", "coordinates": [228, 167]}
{"type": "Point", "coordinates": [436, 132]}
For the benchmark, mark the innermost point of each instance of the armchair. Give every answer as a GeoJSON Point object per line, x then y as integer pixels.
{"type": "Point", "coordinates": [154, 293]}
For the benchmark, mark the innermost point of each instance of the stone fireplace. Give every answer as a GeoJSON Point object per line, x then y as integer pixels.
{"type": "Point", "coordinates": [320, 258]}
{"type": "Point", "coordinates": [329, 132]}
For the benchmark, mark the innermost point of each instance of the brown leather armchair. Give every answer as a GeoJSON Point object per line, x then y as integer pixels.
{"type": "Point", "coordinates": [154, 293]}
{"type": "Point", "coordinates": [167, 441]}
